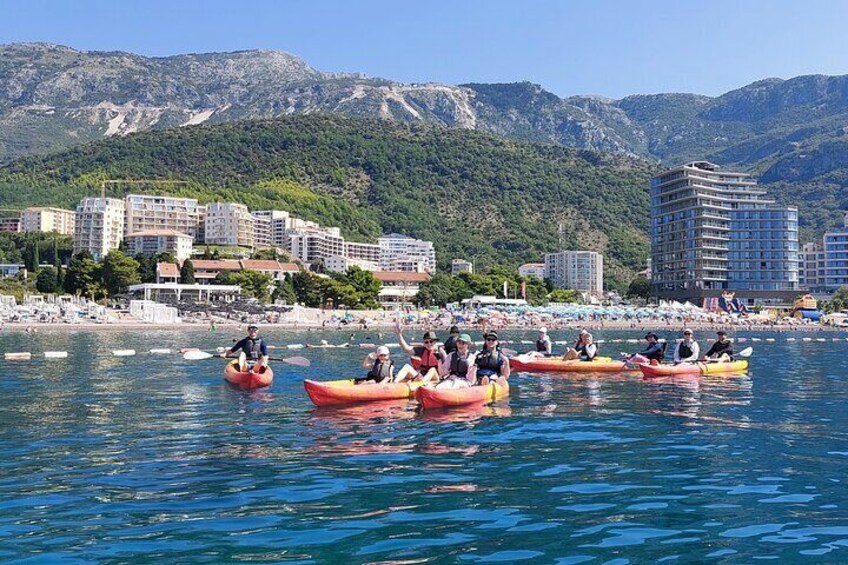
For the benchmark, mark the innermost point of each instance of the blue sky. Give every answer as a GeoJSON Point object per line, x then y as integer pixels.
{"type": "Point", "coordinates": [611, 48]}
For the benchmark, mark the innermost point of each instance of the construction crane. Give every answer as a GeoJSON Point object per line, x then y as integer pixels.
{"type": "Point", "coordinates": [136, 181]}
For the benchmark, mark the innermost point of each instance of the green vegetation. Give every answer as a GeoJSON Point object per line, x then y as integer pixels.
{"type": "Point", "coordinates": [443, 288]}
{"type": "Point", "coordinates": [354, 289]}
{"type": "Point", "coordinates": [472, 194]}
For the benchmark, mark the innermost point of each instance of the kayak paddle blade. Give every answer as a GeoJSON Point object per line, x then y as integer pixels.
{"type": "Point", "coordinates": [299, 361]}
{"type": "Point", "coordinates": [746, 352]}
{"type": "Point", "coordinates": [197, 355]}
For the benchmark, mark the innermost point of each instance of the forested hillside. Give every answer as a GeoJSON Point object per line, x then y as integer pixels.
{"type": "Point", "coordinates": [475, 195]}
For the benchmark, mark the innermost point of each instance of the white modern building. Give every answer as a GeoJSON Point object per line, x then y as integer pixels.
{"type": "Point", "coordinates": [98, 226]}
{"type": "Point", "coordinates": [362, 251]}
{"type": "Point", "coordinates": [461, 266]}
{"type": "Point", "coordinates": [150, 212]}
{"type": "Point", "coordinates": [48, 220]}
{"type": "Point", "coordinates": [578, 270]}
{"type": "Point", "coordinates": [396, 246]}
{"type": "Point", "coordinates": [228, 223]}
{"type": "Point", "coordinates": [399, 289]}
{"type": "Point", "coordinates": [151, 242]}
{"type": "Point", "coordinates": [532, 270]}
{"type": "Point", "coordinates": [311, 244]}
{"type": "Point", "coordinates": [340, 264]}
{"type": "Point", "coordinates": [261, 231]}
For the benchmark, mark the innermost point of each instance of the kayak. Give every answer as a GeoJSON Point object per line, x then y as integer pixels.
{"type": "Point", "coordinates": [248, 379]}
{"type": "Point", "coordinates": [694, 368]}
{"type": "Point", "coordinates": [557, 365]}
{"type": "Point", "coordinates": [430, 397]}
{"type": "Point", "coordinates": [328, 393]}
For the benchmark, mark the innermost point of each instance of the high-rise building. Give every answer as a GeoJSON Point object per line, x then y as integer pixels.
{"type": "Point", "coordinates": [151, 242]}
{"type": "Point", "coordinates": [811, 267]}
{"type": "Point", "coordinates": [149, 212]}
{"type": "Point", "coordinates": [835, 271]}
{"type": "Point", "coordinates": [714, 230]}
{"type": "Point", "coordinates": [396, 248]}
{"type": "Point", "coordinates": [578, 270]}
{"type": "Point", "coordinates": [48, 220]}
{"type": "Point", "coordinates": [309, 245]}
{"type": "Point", "coordinates": [461, 266]}
{"type": "Point", "coordinates": [261, 231]}
{"type": "Point", "coordinates": [98, 226]}
{"type": "Point", "coordinates": [228, 223]}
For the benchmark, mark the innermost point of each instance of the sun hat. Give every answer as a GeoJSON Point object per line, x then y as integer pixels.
{"type": "Point", "coordinates": [464, 337]}
{"type": "Point", "coordinates": [382, 350]}
{"type": "Point", "coordinates": [252, 327]}
{"type": "Point", "coordinates": [651, 334]}
{"type": "Point", "coordinates": [493, 335]}
{"type": "Point", "coordinates": [543, 330]}
{"type": "Point", "coordinates": [721, 332]}
{"type": "Point", "coordinates": [429, 335]}
{"type": "Point", "coordinates": [453, 330]}
{"type": "Point", "coordinates": [687, 331]}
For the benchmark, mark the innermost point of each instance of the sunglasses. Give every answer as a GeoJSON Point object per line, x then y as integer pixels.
{"type": "Point", "coordinates": [429, 341]}
{"type": "Point", "coordinates": [491, 339]}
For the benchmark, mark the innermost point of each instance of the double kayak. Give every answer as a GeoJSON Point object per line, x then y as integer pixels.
{"type": "Point", "coordinates": [248, 379]}
{"type": "Point", "coordinates": [329, 393]}
{"type": "Point", "coordinates": [558, 365]}
{"type": "Point", "coordinates": [430, 397]}
{"type": "Point", "coordinates": [694, 368]}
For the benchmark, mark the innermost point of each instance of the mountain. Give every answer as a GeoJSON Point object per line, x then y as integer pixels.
{"type": "Point", "coordinates": [475, 195]}
{"type": "Point", "coordinates": [790, 133]}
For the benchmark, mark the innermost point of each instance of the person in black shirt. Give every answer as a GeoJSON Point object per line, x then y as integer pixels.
{"type": "Point", "coordinates": [721, 351]}
{"type": "Point", "coordinates": [450, 343]}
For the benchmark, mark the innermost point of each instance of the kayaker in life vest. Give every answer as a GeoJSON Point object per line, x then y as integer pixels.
{"type": "Point", "coordinates": [721, 351]}
{"type": "Point", "coordinates": [381, 367]}
{"type": "Point", "coordinates": [428, 368]}
{"type": "Point", "coordinates": [585, 349]}
{"type": "Point", "coordinates": [252, 351]}
{"type": "Point", "coordinates": [543, 343]}
{"type": "Point", "coordinates": [687, 350]}
{"type": "Point", "coordinates": [450, 343]}
{"type": "Point", "coordinates": [653, 353]}
{"type": "Point", "coordinates": [491, 363]}
{"type": "Point", "coordinates": [458, 370]}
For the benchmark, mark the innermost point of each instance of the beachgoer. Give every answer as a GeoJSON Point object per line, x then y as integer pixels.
{"type": "Point", "coordinates": [585, 349]}
{"type": "Point", "coordinates": [427, 354]}
{"type": "Point", "coordinates": [491, 363]}
{"type": "Point", "coordinates": [653, 353]}
{"type": "Point", "coordinates": [721, 350]}
{"type": "Point", "coordinates": [687, 349]}
{"type": "Point", "coordinates": [253, 353]}
{"type": "Point", "coordinates": [543, 342]}
{"type": "Point", "coordinates": [381, 367]}
{"type": "Point", "coordinates": [450, 343]}
{"type": "Point", "coordinates": [458, 370]}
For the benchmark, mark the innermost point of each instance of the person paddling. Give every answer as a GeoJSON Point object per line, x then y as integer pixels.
{"type": "Point", "coordinates": [381, 367]}
{"type": "Point", "coordinates": [458, 370]}
{"type": "Point", "coordinates": [721, 351]}
{"type": "Point", "coordinates": [653, 353]}
{"type": "Point", "coordinates": [687, 350]}
{"type": "Point", "coordinates": [491, 363]}
{"type": "Point", "coordinates": [252, 351]}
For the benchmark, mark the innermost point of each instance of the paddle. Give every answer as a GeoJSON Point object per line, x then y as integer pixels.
{"type": "Point", "coordinates": [200, 355]}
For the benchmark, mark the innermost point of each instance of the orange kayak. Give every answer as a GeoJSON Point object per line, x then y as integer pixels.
{"type": "Point", "coordinates": [248, 379]}
{"type": "Point", "coordinates": [441, 397]}
{"type": "Point", "coordinates": [694, 368]}
{"type": "Point", "coordinates": [329, 393]}
{"type": "Point", "coordinates": [557, 365]}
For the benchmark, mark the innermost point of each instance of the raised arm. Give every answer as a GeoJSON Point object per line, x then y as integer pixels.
{"type": "Point", "coordinates": [403, 345]}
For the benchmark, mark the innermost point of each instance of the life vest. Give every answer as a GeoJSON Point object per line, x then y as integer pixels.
{"type": "Point", "coordinates": [542, 345]}
{"type": "Point", "coordinates": [684, 350]}
{"type": "Point", "coordinates": [252, 348]}
{"type": "Point", "coordinates": [489, 363]}
{"type": "Point", "coordinates": [380, 371]}
{"type": "Point", "coordinates": [429, 360]}
{"type": "Point", "coordinates": [582, 349]}
{"type": "Point", "coordinates": [449, 345]}
{"type": "Point", "coordinates": [459, 365]}
{"type": "Point", "coordinates": [659, 354]}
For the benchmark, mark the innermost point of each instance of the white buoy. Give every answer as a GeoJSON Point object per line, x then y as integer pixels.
{"type": "Point", "coordinates": [55, 354]}
{"type": "Point", "coordinates": [19, 356]}
{"type": "Point", "coordinates": [123, 352]}
{"type": "Point", "coordinates": [294, 346]}
{"type": "Point", "coordinates": [392, 344]}
{"type": "Point", "coordinates": [769, 339]}
{"type": "Point", "coordinates": [790, 339]}
{"type": "Point", "coordinates": [820, 339]}
{"type": "Point", "coordinates": [160, 351]}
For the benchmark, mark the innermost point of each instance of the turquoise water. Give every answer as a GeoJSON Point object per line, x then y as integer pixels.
{"type": "Point", "coordinates": [153, 459]}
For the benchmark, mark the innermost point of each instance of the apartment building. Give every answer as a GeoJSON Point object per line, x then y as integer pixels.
{"type": "Point", "coordinates": [811, 265]}
{"type": "Point", "coordinates": [10, 224]}
{"type": "Point", "coordinates": [149, 212]}
{"type": "Point", "coordinates": [578, 270]}
{"type": "Point", "coordinates": [309, 245]}
{"type": "Point", "coordinates": [395, 247]}
{"type": "Point", "coordinates": [532, 270]}
{"type": "Point", "coordinates": [835, 251]}
{"type": "Point", "coordinates": [340, 264]}
{"type": "Point", "coordinates": [369, 252]}
{"type": "Point", "coordinates": [228, 223]}
{"type": "Point", "coordinates": [714, 230]}
{"type": "Point", "coordinates": [261, 231]}
{"type": "Point", "coordinates": [99, 225]}
{"type": "Point", "coordinates": [151, 242]}
{"type": "Point", "coordinates": [461, 266]}
{"type": "Point", "coordinates": [48, 220]}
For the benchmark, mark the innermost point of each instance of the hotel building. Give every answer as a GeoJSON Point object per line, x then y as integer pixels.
{"type": "Point", "coordinates": [397, 249]}
{"type": "Point", "coordinates": [48, 220]}
{"type": "Point", "coordinates": [714, 230]}
{"type": "Point", "coordinates": [582, 271]}
{"type": "Point", "coordinates": [147, 212]}
{"type": "Point", "coordinates": [151, 242]}
{"type": "Point", "coordinates": [835, 251]}
{"type": "Point", "coordinates": [98, 226]}
{"type": "Point", "coordinates": [229, 224]}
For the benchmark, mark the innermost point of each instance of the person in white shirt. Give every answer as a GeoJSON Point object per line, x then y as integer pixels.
{"type": "Point", "coordinates": [687, 350]}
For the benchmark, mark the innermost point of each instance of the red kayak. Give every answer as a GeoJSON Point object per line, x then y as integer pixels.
{"type": "Point", "coordinates": [248, 379]}
{"type": "Point", "coordinates": [430, 397]}
{"type": "Point", "coordinates": [328, 393]}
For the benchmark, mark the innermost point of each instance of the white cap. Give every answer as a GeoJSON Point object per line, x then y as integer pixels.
{"type": "Point", "coordinates": [687, 330]}
{"type": "Point", "coordinates": [382, 350]}
{"type": "Point", "coordinates": [543, 330]}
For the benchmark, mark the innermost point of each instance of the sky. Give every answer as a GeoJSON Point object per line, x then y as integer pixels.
{"type": "Point", "coordinates": [599, 47]}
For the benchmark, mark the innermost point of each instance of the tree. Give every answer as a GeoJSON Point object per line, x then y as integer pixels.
{"type": "Point", "coordinates": [439, 290]}
{"type": "Point", "coordinates": [640, 287]}
{"type": "Point", "coordinates": [83, 276]}
{"type": "Point", "coordinates": [285, 291]}
{"type": "Point", "coordinates": [564, 295]}
{"type": "Point", "coordinates": [31, 256]}
{"type": "Point", "coordinates": [187, 272]}
{"type": "Point", "coordinates": [837, 302]}
{"type": "Point", "coordinates": [364, 284]}
{"type": "Point", "coordinates": [253, 283]}
{"type": "Point", "coordinates": [119, 271]}
{"type": "Point", "coordinates": [307, 289]}
{"type": "Point", "coordinates": [46, 280]}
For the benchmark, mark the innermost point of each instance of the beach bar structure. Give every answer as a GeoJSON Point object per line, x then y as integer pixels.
{"type": "Point", "coordinates": [196, 292]}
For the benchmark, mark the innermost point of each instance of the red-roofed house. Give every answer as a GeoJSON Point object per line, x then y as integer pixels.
{"type": "Point", "coordinates": [167, 273]}
{"type": "Point", "coordinates": [399, 287]}
{"type": "Point", "coordinates": [274, 268]}
{"type": "Point", "coordinates": [205, 270]}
